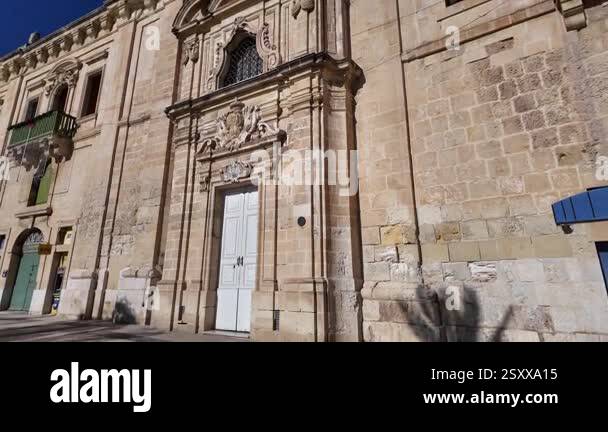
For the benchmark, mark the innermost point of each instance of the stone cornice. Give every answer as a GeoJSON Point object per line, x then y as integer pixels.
{"type": "Point", "coordinates": [340, 72]}
{"type": "Point", "coordinates": [480, 30]}
{"type": "Point", "coordinates": [90, 28]}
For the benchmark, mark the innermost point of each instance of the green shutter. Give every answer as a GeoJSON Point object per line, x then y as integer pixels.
{"type": "Point", "coordinates": [45, 184]}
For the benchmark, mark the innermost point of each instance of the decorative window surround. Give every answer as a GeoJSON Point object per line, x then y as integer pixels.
{"type": "Point", "coordinates": [264, 43]}
{"type": "Point", "coordinates": [65, 72]}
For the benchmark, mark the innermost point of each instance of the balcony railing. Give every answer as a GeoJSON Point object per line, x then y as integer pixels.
{"type": "Point", "coordinates": [52, 124]}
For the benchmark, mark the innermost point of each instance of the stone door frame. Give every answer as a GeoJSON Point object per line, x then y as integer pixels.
{"type": "Point", "coordinates": [216, 184]}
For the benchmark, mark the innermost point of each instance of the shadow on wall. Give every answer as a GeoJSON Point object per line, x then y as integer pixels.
{"type": "Point", "coordinates": [123, 313]}
{"type": "Point", "coordinates": [592, 3]}
{"type": "Point", "coordinates": [458, 322]}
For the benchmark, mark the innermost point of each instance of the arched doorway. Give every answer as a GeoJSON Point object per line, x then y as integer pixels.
{"type": "Point", "coordinates": [25, 280]}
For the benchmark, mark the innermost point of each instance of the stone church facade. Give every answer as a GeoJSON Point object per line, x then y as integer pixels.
{"type": "Point", "coordinates": [313, 170]}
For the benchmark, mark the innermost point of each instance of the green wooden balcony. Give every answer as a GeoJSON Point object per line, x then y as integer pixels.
{"type": "Point", "coordinates": [54, 124]}
{"type": "Point", "coordinates": [48, 135]}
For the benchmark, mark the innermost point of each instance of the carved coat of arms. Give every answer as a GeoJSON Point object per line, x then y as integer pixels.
{"type": "Point", "coordinates": [238, 125]}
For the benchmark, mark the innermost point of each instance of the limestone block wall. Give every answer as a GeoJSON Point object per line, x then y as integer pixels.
{"type": "Point", "coordinates": [388, 217]}
{"type": "Point", "coordinates": [131, 245]}
{"type": "Point", "coordinates": [498, 130]}
{"type": "Point", "coordinates": [111, 190]}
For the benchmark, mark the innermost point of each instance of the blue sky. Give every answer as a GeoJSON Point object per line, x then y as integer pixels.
{"type": "Point", "coordinates": [19, 18]}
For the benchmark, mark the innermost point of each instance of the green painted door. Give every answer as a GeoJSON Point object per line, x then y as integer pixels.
{"type": "Point", "coordinates": [25, 283]}
{"type": "Point", "coordinates": [42, 195]}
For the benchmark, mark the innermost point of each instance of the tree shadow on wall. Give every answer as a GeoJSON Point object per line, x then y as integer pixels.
{"type": "Point", "coordinates": [439, 317]}
{"type": "Point", "coordinates": [123, 313]}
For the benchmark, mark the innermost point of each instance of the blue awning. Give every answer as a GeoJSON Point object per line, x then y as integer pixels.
{"type": "Point", "coordinates": [591, 206]}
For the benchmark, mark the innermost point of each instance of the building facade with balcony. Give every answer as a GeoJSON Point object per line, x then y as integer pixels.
{"type": "Point", "coordinates": [165, 169]}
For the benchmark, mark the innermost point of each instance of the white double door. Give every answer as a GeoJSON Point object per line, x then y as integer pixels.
{"type": "Point", "coordinates": [238, 262]}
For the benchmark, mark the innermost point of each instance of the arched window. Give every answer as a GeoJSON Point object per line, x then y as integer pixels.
{"type": "Point", "coordinates": [244, 62]}
{"type": "Point", "coordinates": [60, 99]}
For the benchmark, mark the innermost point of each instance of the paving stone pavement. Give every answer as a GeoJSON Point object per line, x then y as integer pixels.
{"type": "Point", "coordinates": [21, 327]}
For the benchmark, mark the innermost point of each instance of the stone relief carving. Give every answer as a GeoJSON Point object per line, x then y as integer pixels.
{"type": "Point", "coordinates": [66, 73]}
{"type": "Point", "coordinates": [191, 51]}
{"type": "Point", "coordinates": [32, 241]}
{"type": "Point", "coordinates": [204, 181]}
{"type": "Point", "coordinates": [302, 5]}
{"type": "Point", "coordinates": [264, 42]}
{"type": "Point", "coordinates": [236, 171]}
{"type": "Point", "coordinates": [238, 126]}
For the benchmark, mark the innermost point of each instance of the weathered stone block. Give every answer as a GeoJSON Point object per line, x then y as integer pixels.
{"type": "Point", "coordinates": [517, 143]}
{"type": "Point", "coordinates": [448, 231]}
{"type": "Point", "coordinates": [552, 246]}
{"type": "Point", "coordinates": [544, 138]}
{"type": "Point", "coordinates": [524, 103]}
{"type": "Point", "coordinates": [464, 252]}
{"type": "Point", "coordinates": [474, 230]}
{"type": "Point", "coordinates": [435, 253]}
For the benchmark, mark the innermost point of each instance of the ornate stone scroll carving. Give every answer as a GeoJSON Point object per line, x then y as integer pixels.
{"type": "Point", "coordinates": [65, 73]}
{"type": "Point", "coordinates": [204, 181]}
{"type": "Point", "coordinates": [191, 51]}
{"type": "Point", "coordinates": [574, 13]}
{"type": "Point", "coordinates": [264, 43]}
{"type": "Point", "coordinates": [302, 5]}
{"type": "Point", "coordinates": [238, 126]}
{"type": "Point", "coordinates": [236, 171]}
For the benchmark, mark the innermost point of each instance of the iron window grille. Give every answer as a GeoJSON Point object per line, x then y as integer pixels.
{"type": "Point", "coordinates": [245, 63]}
